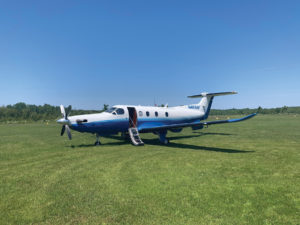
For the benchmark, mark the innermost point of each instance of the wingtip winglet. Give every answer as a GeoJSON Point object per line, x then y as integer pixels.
{"type": "Point", "coordinates": [243, 118]}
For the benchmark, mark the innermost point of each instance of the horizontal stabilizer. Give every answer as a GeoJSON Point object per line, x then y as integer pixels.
{"type": "Point", "coordinates": [204, 94]}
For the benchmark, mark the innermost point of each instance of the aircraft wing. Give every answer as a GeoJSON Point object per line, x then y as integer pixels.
{"type": "Point", "coordinates": [182, 125]}
{"type": "Point", "coordinates": [229, 121]}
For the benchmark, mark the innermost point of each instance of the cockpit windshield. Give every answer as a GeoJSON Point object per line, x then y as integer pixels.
{"type": "Point", "coordinates": [115, 111]}
{"type": "Point", "coordinates": [110, 110]}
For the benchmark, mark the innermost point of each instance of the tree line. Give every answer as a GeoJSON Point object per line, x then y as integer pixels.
{"type": "Point", "coordinates": [26, 112]}
{"type": "Point", "coordinates": [260, 110]}
{"type": "Point", "coordinates": [46, 112]}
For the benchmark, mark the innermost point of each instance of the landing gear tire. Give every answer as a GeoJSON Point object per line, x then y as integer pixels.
{"type": "Point", "coordinates": [97, 140]}
{"type": "Point", "coordinates": [97, 143]}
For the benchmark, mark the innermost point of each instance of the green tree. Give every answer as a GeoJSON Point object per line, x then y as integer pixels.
{"type": "Point", "coordinates": [105, 107]}
{"type": "Point", "coordinates": [259, 109]}
{"type": "Point", "coordinates": [284, 109]}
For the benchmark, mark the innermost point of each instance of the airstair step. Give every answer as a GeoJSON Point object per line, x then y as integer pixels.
{"type": "Point", "coordinates": [135, 137]}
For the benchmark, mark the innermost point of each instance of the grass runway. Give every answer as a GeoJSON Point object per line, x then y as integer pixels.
{"type": "Point", "coordinates": [243, 173]}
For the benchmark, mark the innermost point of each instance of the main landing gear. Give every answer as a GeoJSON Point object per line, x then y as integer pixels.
{"type": "Point", "coordinates": [162, 138]}
{"type": "Point", "coordinates": [97, 140]}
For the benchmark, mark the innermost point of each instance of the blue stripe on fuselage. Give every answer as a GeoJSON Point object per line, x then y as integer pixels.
{"type": "Point", "coordinates": [157, 122]}
{"type": "Point", "coordinates": [121, 125]}
{"type": "Point", "coordinates": [103, 127]}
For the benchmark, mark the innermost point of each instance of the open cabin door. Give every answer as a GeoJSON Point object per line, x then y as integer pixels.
{"type": "Point", "coordinates": [132, 130]}
{"type": "Point", "coordinates": [132, 117]}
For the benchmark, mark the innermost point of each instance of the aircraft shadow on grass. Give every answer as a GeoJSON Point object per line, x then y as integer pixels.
{"type": "Point", "coordinates": [155, 142]}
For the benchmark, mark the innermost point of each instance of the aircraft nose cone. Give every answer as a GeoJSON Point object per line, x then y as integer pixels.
{"type": "Point", "coordinates": [62, 121]}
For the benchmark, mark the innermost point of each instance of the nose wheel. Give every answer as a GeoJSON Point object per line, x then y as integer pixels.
{"type": "Point", "coordinates": [97, 140]}
{"type": "Point", "coordinates": [166, 141]}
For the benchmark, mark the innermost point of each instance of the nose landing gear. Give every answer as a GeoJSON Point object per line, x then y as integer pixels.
{"type": "Point", "coordinates": [97, 140]}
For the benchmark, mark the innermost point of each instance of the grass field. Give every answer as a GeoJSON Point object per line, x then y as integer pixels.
{"type": "Point", "coordinates": [243, 173]}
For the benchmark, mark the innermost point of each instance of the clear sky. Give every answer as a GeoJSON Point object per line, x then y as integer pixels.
{"type": "Point", "coordinates": [87, 53]}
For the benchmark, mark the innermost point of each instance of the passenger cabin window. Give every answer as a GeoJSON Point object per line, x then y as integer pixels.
{"type": "Point", "coordinates": [147, 113]}
{"type": "Point", "coordinates": [120, 111]}
{"type": "Point", "coordinates": [140, 113]}
{"type": "Point", "coordinates": [156, 114]}
{"type": "Point", "coordinates": [167, 114]}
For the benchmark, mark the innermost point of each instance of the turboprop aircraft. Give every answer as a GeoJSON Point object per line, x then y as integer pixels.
{"type": "Point", "coordinates": [132, 120]}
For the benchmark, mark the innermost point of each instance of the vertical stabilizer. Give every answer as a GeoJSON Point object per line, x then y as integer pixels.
{"type": "Point", "coordinates": [206, 101]}
{"type": "Point", "coordinates": [205, 105]}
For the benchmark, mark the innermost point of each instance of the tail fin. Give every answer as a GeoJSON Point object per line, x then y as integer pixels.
{"type": "Point", "coordinates": [207, 99]}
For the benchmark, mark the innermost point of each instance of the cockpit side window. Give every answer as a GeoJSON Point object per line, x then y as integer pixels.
{"type": "Point", "coordinates": [120, 111]}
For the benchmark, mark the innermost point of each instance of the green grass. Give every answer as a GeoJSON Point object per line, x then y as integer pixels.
{"type": "Point", "coordinates": [243, 173]}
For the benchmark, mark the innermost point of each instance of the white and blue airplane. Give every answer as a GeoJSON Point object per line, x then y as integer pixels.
{"type": "Point", "coordinates": [132, 120]}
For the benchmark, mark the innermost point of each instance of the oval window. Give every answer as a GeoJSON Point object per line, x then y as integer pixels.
{"type": "Point", "coordinates": [140, 113]}
{"type": "Point", "coordinates": [167, 114]}
{"type": "Point", "coordinates": [147, 113]}
{"type": "Point", "coordinates": [156, 114]}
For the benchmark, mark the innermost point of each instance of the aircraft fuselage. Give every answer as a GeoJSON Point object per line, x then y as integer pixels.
{"type": "Point", "coordinates": [118, 118]}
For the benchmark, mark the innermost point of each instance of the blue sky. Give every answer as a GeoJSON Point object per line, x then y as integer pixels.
{"type": "Point", "coordinates": [87, 53]}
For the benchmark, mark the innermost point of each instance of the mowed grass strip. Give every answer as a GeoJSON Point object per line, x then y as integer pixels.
{"type": "Point", "coordinates": [243, 173]}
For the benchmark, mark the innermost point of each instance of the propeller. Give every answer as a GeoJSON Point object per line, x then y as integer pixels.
{"type": "Point", "coordinates": [63, 112]}
{"type": "Point", "coordinates": [68, 132]}
{"type": "Point", "coordinates": [65, 121]}
{"type": "Point", "coordinates": [62, 130]}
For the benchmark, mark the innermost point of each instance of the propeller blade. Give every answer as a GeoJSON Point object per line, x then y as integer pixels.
{"type": "Point", "coordinates": [63, 112]}
{"type": "Point", "coordinates": [62, 130]}
{"type": "Point", "coordinates": [69, 132]}
{"type": "Point", "coordinates": [68, 112]}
